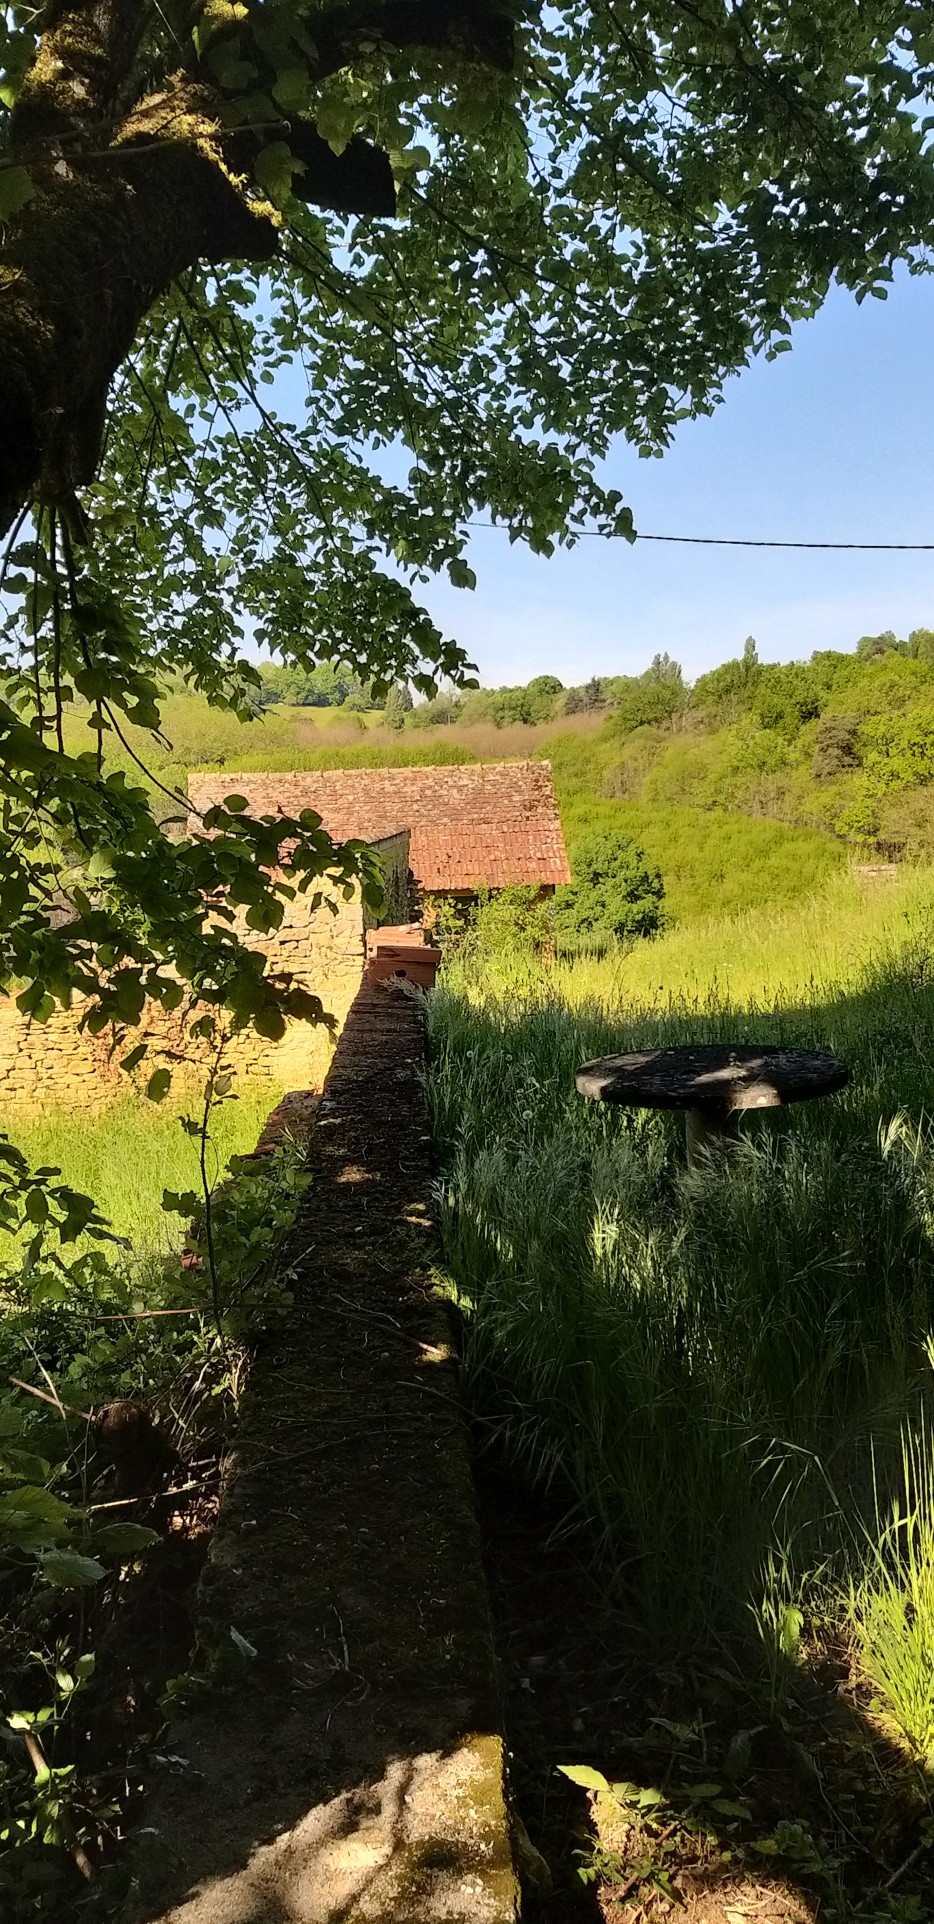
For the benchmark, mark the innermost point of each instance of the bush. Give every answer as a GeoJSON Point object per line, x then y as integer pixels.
{"type": "Point", "coordinates": [398, 705]}
{"type": "Point", "coordinates": [324, 686]}
{"type": "Point", "coordinates": [786, 696]}
{"type": "Point", "coordinates": [835, 747]}
{"type": "Point", "coordinates": [616, 896]}
{"type": "Point", "coordinates": [443, 712]}
{"type": "Point", "coordinates": [640, 703]}
{"type": "Point", "coordinates": [518, 918]}
{"type": "Point", "coordinates": [898, 750]}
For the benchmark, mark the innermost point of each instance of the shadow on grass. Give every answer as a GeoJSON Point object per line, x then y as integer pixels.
{"type": "Point", "coordinates": [707, 1374]}
{"type": "Point", "coordinates": [823, 1816]}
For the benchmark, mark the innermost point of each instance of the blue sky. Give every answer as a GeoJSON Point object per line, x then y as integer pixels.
{"type": "Point", "coordinates": [834, 441]}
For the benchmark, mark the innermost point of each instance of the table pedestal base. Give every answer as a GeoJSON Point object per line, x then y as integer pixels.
{"type": "Point", "coordinates": [708, 1132]}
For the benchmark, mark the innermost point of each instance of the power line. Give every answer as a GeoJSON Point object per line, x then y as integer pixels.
{"type": "Point", "coordinates": [736, 541]}
{"type": "Point", "coordinates": [742, 541]}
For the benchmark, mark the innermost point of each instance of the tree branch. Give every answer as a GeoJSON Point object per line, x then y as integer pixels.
{"type": "Point", "coordinates": [358, 181]}
{"type": "Point", "coordinates": [83, 264]}
{"type": "Point", "coordinates": [123, 208]}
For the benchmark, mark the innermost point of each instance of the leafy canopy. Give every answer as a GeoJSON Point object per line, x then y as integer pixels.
{"type": "Point", "coordinates": [397, 266]}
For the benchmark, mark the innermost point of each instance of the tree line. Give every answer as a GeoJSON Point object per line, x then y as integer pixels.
{"type": "Point", "coordinates": [781, 696]}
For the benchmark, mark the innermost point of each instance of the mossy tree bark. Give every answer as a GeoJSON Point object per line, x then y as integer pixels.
{"type": "Point", "coordinates": [131, 192]}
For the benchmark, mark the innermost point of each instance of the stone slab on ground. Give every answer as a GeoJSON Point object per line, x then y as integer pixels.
{"type": "Point", "coordinates": [352, 1771]}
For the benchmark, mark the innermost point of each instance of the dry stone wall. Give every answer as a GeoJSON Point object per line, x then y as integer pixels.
{"type": "Point", "coordinates": [57, 1063]}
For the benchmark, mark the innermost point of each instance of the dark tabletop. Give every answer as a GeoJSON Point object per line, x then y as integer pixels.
{"type": "Point", "coordinates": [715, 1075]}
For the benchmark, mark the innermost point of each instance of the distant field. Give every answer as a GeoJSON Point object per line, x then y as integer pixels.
{"type": "Point", "coordinates": [713, 861]}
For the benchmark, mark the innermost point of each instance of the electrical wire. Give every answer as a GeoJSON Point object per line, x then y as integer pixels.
{"type": "Point", "coordinates": [743, 541]}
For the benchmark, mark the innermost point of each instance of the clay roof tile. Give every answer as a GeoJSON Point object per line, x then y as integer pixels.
{"type": "Point", "coordinates": [472, 825]}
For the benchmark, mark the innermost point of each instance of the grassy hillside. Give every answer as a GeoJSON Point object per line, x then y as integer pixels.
{"type": "Point", "coordinates": [713, 861]}
{"type": "Point", "coordinates": [749, 789]}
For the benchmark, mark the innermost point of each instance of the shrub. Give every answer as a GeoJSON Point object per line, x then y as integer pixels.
{"type": "Point", "coordinates": [514, 918]}
{"type": "Point", "coordinates": [644, 703]}
{"type": "Point", "coordinates": [835, 746]}
{"type": "Point", "coordinates": [398, 705]}
{"type": "Point", "coordinates": [898, 750]}
{"type": "Point", "coordinates": [617, 894]}
{"type": "Point", "coordinates": [443, 712]}
{"type": "Point", "coordinates": [324, 686]}
{"type": "Point", "coordinates": [786, 696]}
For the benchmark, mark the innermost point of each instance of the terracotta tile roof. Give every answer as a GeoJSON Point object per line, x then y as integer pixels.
{"type": "Point", "coordinates": [472, 825]}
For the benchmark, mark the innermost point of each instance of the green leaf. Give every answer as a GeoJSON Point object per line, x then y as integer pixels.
{"type": "Point", "coordinates": [291, 91]}
{"type": "Point", "coordinates": [274, 169]}
{"type": "Point", "coordinates": [32, 1519]}
{"type": "Point", "coordinates": [23, 1463]}
{"type": "Point", "coordinates": [739, 1755]}
{"type": "Point", "coordinates": [68, 1570]}
{"type": "Point", "coordinates": [584, 1776]}
{"type": "Point", "coordinates": [124, 1540]}
{"type": "Point", "coordinates": [183, 1202]}
{"type": "Point", "coordinates": [159, 1084]}
{"type": "Point", "coordinates": [789, 1635]}
{"type": "Point", "coordinates": [37, 1206]}
{"type": "Point", "coordinates": [16, 189]}
{"type": "Point", "coordinates": [235, 75]}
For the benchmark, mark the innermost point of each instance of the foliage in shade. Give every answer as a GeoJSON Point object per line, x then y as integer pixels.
{"type": "Point", "coordinates": [492, 239]}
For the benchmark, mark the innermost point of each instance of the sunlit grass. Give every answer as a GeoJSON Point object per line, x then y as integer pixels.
{"type": "Point", "coordinates": [892, 1607]}
{"type": "Point", "coordinates": [127, 1154]}
{"type": "Point", "coordinates": [793, 957]}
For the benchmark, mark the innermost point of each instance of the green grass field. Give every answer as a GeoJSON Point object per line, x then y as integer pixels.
{"type": "Point", "coordinates": [720, 1367]}
{"type": "Point", "coordinates": [125, 1156]}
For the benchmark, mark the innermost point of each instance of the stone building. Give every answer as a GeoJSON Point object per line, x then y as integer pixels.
{"type": "Point", "coordinates": [472, 826]}
{"type": "Point", "coordinates": [451, 831]}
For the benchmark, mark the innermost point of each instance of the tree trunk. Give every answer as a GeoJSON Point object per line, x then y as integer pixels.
{"type": "Point", "coordinates": [88, 256]}
{"type": "Point", "coordinates": [123, 206]}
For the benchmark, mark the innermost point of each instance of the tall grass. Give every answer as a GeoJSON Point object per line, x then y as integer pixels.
{"type": "Point", "coordinates": [800, 953]}
{"type": "Point", "coordinates": [715, 1362]}
{"type": "Point", "coordinates": [892, 1607]}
